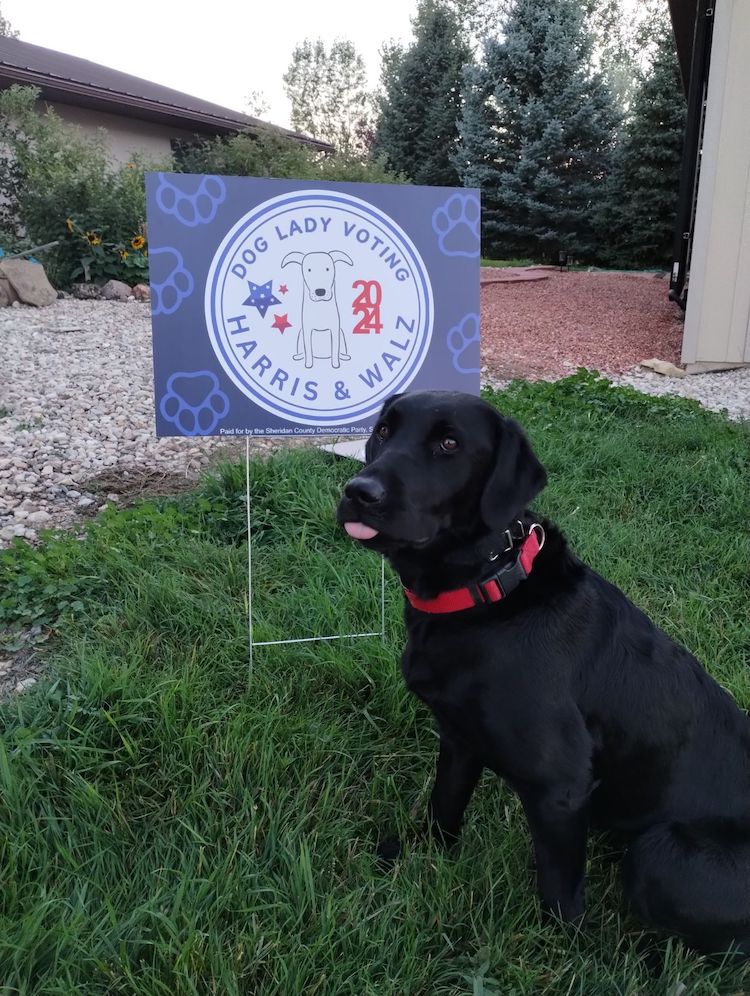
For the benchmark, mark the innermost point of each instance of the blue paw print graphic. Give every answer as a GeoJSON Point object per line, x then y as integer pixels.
{"type": "Point", "coordinates": [171, 283]}
{"type": "Point", "coordinates": [194, 402]}
{"type": "Point", "coordinates": [463, 343]}
{"type": "Point", "coordinates": [191, 207]}
{"type": "Point", "coordinates": [456, 225]}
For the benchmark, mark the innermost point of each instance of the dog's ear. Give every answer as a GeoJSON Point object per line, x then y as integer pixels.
{"type": "Point", "coordinates": [292, 257]}
{"type": "Point", "coordinates": [372, 441]}
{"type": "Point", "coordinates": [515, 480]}
{"type": "Point", "coordinates": [340, 257]}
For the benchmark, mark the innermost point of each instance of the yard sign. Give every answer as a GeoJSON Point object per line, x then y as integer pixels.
{"type": "Point", "coordinates": [288, 307]}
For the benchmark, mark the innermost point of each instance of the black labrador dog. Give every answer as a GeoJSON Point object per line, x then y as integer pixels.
{"type": "Point", "coordinates": [539, 669]}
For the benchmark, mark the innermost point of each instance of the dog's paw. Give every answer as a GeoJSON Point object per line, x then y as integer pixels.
{"type": "Point", "coordinates": [189, 203]}
{"type": "Point", "coordinates": [171, 283]}
{"type": "Point", "coordinates": [194, 403]}
{"type": "Point", "coordinates": [570, 912]}
{"type": "Point", "coordinates": [456, 225]}
{"type": "Point", "coordinates": [463, 344]}
{"type": "Point", "coordinates": [388, 852]}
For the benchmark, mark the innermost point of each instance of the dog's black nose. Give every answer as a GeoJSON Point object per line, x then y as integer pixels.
{"type": "Point", "coordinates": [320, 291]}
{"type": "Point", "coordinates": [365, 490]}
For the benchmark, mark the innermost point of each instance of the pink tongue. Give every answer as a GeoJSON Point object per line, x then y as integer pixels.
{"type": "Point", "coordinates": [358, 530]}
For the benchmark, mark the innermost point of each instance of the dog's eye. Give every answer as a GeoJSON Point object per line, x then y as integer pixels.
{"type": "Point", "coordinates": [449, 444]}
{"type": "Point", "coordinates": [382, 432]}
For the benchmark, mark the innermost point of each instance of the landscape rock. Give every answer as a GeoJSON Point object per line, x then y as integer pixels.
{"type": "Point", "coordinates": [85, 292]}
{"type": "Point", "coordinates": [115, 290]}
{"type": "Point", "coordinates": [29, 281]}
{"type": "Point", "coordinates": [142, 292]}
{"type": "Point", "coordinates": [663, 367]}
{"type": "Point", "coordinates": [7, 294]}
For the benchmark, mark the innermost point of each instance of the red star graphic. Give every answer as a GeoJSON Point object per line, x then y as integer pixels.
{"type": "Point", "coordinates": [281, 322]}
{"type": "Point", "coordinates": [283, 288]}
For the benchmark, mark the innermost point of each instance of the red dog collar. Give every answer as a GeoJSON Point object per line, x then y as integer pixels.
{"type": "Point", "coordinates": [499, 586]}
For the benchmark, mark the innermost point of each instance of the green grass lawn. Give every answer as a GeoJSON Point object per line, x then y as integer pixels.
{"type": "Point", "coordinates": [173, 823]}
{"type": "Point", "coordinates": [506, 262]}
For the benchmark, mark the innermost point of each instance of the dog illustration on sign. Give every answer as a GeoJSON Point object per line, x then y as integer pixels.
{"type": "Point", "coordinates": [320, 312]}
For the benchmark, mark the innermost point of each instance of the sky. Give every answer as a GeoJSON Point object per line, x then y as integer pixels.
{"type": "Point", "coordinates": [218, 50]}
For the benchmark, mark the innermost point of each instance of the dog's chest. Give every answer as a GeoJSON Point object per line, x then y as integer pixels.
{"type": "Point", "coordinates": [447, 678]}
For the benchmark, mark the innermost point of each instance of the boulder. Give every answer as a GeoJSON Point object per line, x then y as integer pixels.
{"type": "Point", "coordinates": [7, 294]}
{"type": "Point", "coordinates": [115, 290]}
{"type": "Point", "coordinates": [142, 292]}
{"type": "Point", "coordinates": [29, 281]}
{"type": "Point", "coordinates": [86, 292]}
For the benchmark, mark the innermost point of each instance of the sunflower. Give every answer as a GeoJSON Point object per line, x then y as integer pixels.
{"type": "Point", "coordinates": [138, 242]}
{"type": "Point", "coordinates": [93, 238]}
{"type": "Point", "coordinates": [71, 226]}
{"type": "Point", "coordinates": [124, 255]}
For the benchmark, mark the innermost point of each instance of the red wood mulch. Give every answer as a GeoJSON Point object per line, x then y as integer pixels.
{"type": "Point", "coordinates": [603, 321]}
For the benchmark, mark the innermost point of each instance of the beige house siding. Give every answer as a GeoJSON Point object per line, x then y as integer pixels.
{"type": "Point", "coordinates": [717, 321]}
{"type": "Point", "coordinates": [125, 135]}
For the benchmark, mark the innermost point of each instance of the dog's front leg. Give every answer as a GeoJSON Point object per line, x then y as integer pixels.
{"type": "Point", "coordinates": [559, 831]}
{"type": "Point", "coordinates": [455, 779]}
{"type": "Point", "coordinates": [457, 774]}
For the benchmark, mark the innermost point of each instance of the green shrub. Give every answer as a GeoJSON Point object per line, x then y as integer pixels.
{"type": "Point", "coordinates": [272, 154]}
{"type": "Point", "coordinates": [57, 183]}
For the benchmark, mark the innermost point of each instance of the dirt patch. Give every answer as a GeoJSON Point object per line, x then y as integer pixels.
{"type": "Point", "coordinates": [129, 486]}
{"type": "Point", "coordinates": [19, 670]}
{"type": "Point", "coordinates": [126, 485]}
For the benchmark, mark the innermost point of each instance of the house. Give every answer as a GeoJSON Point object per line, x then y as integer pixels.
{"type": "Point", "coordinates": [139, 116]}
{"type": "Point", "coordinates": [712, 240]}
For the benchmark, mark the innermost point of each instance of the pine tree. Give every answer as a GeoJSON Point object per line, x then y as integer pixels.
{"type": "Point", "coordinates": [537, 133]}
{"type": "Point", "coordinates": [418, 127]}
{"type": "Point", "coordinates": [643, 191]}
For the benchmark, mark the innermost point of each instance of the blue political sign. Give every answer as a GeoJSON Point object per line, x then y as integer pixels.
{"type": "Point", "coordinates": [288, 307]}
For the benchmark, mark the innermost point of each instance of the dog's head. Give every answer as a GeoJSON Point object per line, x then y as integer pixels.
{"type": "Point", "coordinates": [318, 271]}
{"type": "Point", "coordinates": [439, 464]}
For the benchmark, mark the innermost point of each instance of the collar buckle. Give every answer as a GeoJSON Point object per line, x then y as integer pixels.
{"type": "Point", "coordinates": [511, 536]}
{"type": "Point", "coordinates": [509, 576]}
{"type": "Point", "coordinates": [492, 589]}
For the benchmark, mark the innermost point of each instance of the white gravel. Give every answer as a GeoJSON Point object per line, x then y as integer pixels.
{"type": "Point", "coordinates": [76, 400]}
{"type": "Point", "coordinates": [727, 391]}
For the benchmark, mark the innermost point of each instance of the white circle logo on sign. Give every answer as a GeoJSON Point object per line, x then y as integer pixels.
{"type": "Point", "coordinates": [318, 307]}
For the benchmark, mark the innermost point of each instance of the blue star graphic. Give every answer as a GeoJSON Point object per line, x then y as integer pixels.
{"type": "Point", "coordinates": [261, 297]}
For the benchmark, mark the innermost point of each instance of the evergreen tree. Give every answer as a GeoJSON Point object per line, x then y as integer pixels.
{"type": "Point", "coordinates": [418, 127]}
{"type": "Point", "coordinates": [537, 133]}
{"type": "Point", "coordinates": [644, 187]}
{"type": "Point", "coordinates": [479, 19]}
